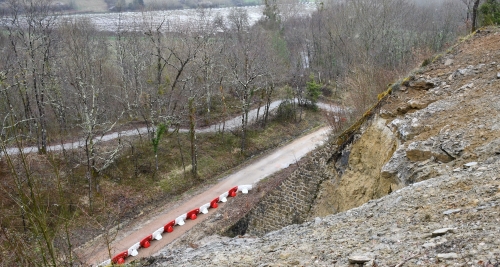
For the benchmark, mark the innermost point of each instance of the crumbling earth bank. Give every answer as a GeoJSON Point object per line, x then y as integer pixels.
{"type": "Point", "coordinates": [435, 147]}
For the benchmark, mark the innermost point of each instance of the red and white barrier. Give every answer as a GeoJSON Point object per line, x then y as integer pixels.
{"type": "Point", "coordinates": [223, 197]}
{"type": "Point", "coordinates": [157, 234]}
{"type": "Point", "coordinates": [213, 203]}
{"type": "Point", "coordinates": [204, 208]}
{"type": "Point", "coordinates": [180, 220]}
{"type": "Point", "coordinates": [232, 191]}
{"type": "Point", "coordinates": [193, 214]}
{"type": "Point", "coordinates": [146, 242]}
{"type": "Point", "coordinates": [244, 188]}
{"type": "Point", "coordinates": [132, 251]}
{"type": "Point", "coordinates": [120, 257]}
{"type": "Point", "coordinates": [169, 227]}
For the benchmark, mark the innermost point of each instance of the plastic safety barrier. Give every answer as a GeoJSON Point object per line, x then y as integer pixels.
{"type": "Point", "coordinates": [132, 251]}
{"type": "Point", "coordinates": [157, 234]}
{"type": "Point", "coordinates": [104, 263]}
{"type": "Point", "coordinates": [180, 220]}
{"type": "Point", "coordinates": [146, 242]}
{"type": "Point", "coordinates": [232, 191]}
{"type": "Point", "coordinates": [193, 214]}
{"type": "Point", "coordinates": [244, 188]}
{"type": "Point", "coordinates": [169, 227]}
{"type": "Point", "coordinates": [204, 208]}
{"type": "Point", "coordinates": [223, 197]}
{"type": "Point", "coordinates": [213, 203]}
{"type": "Point", "coordinates": [120, 257]}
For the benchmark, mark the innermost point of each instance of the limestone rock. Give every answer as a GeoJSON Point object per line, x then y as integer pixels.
{"type": "Point", "coordinates": [489, 149]}
{"type": "Point", "coordinates": [407, 127]}
{"type": "Point", "coordinates": [421, 151]}
{"type": "Point", "coordinates": [466, 71]}
{"type": "Point", "coordinates": [359, 259]}
{"type": "Point", "coordinates": [419, 103]}
{"type": "Point", "coordinates": [443, 231]}
{"type": "Point", "coordinates": [448, 212]}
{"type": "Point", "coordinates": [429, 245]}
{"type": "Point", "coordinates": [453, 148]}
{"type": "Point", "coordinates": [397, 166]}
{"type": "Point", "coordinates": [447, 256]}
{"type": "Point", "coordinates": [422, 84]}
{"type": "Point", "coordinates": [470, 164]}
{"type": "Point", "coordinates": [386, 114]}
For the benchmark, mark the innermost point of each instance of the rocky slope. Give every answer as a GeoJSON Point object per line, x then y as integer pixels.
{"type": "Point", "coordinates": [433, 146]}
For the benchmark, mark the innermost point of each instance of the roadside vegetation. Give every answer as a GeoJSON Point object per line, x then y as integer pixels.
{"type": "Point", "coordinates": [63, 81]}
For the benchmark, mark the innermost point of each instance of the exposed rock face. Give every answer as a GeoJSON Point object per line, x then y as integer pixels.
{"type": "Point", "coordinates": [363, 180]}
{"type": "Point", "coordinates": [422, 83]}
{"type": "Point", "coordinates": [433, 146]}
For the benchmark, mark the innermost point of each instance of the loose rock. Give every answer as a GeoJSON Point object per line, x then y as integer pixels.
{"type": "Point", "coordinates": [447, 256]}
{"type": "Point", "coordinates": [443, 231]}
{"type": "Point", "coordinates": [448, 212]}
{"type": "Point", "coordinates": [359, 259]}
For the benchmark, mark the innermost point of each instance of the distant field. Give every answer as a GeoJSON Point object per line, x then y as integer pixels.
{"type": "Point", "coordinates": [101, 6]}
{"type": "Point", "coordinates": [90, 5]}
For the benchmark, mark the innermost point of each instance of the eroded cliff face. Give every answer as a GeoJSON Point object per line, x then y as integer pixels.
{"type": "Point", "coordinates": [435, 121]}
{"type": "Point", "coordinates": [358, 175]}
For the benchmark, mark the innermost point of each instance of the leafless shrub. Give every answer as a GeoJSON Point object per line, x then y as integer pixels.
{"type": "Point", "coordinates": [338, 119]}
{"type": "Point", "coordinates": [363, 84]}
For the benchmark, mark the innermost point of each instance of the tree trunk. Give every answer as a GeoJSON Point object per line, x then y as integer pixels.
{"type": "Point", "coordinates": [474, 15]}
{"type": "Point", "coordinates": [223, 110]}
{"type": "Point", "coordinates": [181, 152]}
{"type": "Point", "coordinates": [192, 137]}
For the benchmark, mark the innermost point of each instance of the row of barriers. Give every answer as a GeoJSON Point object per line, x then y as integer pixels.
{"type": "Point", "coordinates": [169, 227]}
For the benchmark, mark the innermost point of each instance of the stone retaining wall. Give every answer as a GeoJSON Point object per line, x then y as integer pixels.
{"type": "Point", "coordinates": [291, 201]}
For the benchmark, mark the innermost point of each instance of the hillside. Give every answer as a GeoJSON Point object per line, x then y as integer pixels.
{"type": "Point", "coordinates": [416, 184]}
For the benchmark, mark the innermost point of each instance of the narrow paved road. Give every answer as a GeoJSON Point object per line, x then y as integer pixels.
{"type": "Point", "coordinates": [251, 174]}
{"type": "Point", "coordinates": [229, 125]}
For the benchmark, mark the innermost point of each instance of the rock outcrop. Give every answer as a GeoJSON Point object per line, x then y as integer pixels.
{"type": "Point", "coordinates": [417, 184]}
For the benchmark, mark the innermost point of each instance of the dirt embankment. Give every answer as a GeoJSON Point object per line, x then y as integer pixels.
{"type": "Point", "coordinates": [433, 145]}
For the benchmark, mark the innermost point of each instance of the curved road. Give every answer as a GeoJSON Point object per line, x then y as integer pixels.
{"type": "Point", "coordinates": [230, 124]}
{"type": "Point", "coordinates": [251, 174]}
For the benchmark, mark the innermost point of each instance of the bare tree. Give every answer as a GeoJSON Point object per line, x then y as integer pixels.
{"type": "Point", "coordinates": [132, 59]}
{"type": "Point", "coordinates": [468, 4]}
{"type": "Point", "coordinates": [38, 210]}
{"type": "Point", "coordinates": [30, 29]}
{"type": "Point", "coordinates": [244, 63]}
{"type": "Point", "coordinates": [154, 100]}
{"type": "Point", "coordinates": [85, 72]}
{"type": "Point", "coordinates": [208, 63]}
